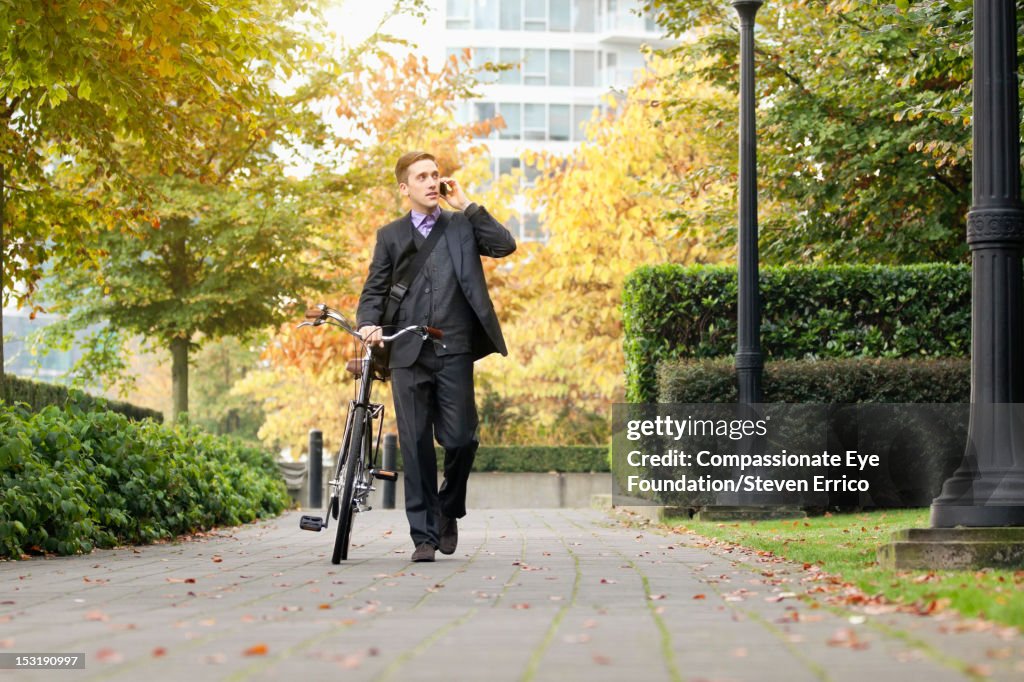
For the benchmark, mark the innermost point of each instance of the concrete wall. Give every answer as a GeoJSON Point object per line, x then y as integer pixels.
{"type": "Point", "coordinates": [495, 490]}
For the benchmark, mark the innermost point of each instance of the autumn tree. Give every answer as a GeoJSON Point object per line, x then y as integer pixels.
{"type": "Point", "coordinates": [863, 124]}
{"type": "Point", "coordinates": [604, 207]}
{"type": "Point", "coordinates": [78, 78]}
{"type": "Point", "coordinates": [391, 106]}
{"type": "Point", "coordinates": [221, 261]}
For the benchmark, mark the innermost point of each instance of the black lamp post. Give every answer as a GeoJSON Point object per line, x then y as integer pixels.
{"type": "Point", "coordinates": [988, 489]}
{"type": "Point", "coordinates": [749, 361]}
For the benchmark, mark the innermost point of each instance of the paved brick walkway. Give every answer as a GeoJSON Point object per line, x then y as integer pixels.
{"type": "Point", "coordinates": [530, 595]}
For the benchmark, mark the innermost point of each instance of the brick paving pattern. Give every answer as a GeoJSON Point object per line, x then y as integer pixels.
{"type": "Point", "coordinates": [529, 595]}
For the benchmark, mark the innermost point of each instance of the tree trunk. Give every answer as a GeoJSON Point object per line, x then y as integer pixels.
{"type": "Point", "coordinates": [3, 264]}
{"type": "Point", "coordinates": [179, 376]}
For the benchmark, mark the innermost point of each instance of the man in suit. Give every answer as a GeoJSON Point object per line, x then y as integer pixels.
{"type": "Point", "coordinates": [432, 382]}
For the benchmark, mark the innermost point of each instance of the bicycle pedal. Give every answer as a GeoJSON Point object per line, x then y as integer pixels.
{"type": "Point", "coordinates": [314, 523]}
{"type": "Point", "coordinates": [385, 475]}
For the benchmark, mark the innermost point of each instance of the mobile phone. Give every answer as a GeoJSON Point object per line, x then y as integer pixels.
{"type": "Point", "coordinates": [445, 189]}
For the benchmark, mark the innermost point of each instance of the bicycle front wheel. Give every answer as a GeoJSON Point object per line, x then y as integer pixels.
{"type": "Point", "coordinates": [353, 465]}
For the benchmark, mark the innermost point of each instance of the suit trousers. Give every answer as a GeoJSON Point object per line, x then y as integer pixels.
{"type": "Point", "coordinates": [435, 397]}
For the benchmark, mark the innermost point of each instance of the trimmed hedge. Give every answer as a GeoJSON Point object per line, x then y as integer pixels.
{"type": "Point", "coordinates": [673, 311]}
{"type": "Point", "coordinates": [535, 458]}
{"type": "Point", "coordinates": [520, 458]}
{"type": "Point", "coordinates": [859, 380]}
{"type": "Point", "coordinates": [75, 479]}
{"type": "Point", "coordinates": [39, 395]}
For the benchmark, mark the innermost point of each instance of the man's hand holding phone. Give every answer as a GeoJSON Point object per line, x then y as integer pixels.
{"type": "Point", "coordinates": [451, 192]}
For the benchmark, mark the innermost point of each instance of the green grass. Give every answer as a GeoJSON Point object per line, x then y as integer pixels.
{"type": "Point", "coordinates": [845, 545]}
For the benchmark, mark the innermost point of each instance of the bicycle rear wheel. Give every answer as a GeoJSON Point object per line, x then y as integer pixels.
{"type": "Point", "coordinates": [353, 465]}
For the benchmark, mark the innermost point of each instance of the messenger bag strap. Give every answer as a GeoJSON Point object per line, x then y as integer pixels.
{"type": "Point", "coordinates": [399, 288]}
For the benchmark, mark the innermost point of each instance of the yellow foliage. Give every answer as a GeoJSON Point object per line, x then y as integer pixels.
{"type": "Point", "coordinates": [603, 208]}
{"type": "Point", "coordinates": [395, 107]}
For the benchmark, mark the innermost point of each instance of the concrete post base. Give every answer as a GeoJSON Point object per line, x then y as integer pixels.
{"type": "Point", "coordinates": [954, 549]}
{"type": "Point", "coordinates": [749, 513]}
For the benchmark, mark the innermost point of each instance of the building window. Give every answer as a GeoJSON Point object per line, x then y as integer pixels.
{"type": "Point", "coordinates": [514, 75]}
{"type": "Point", "coordinates": [559, 15]}
{"type": "Point", "coordinates": [512, 225]}
{"type": "Point", "coordinates": [463, 113]}
{"type": "Point", "coordinates": [485, 14]}
{"type": "Point", "coordinates": [510, 111]}
{"type": "Point", "coordinates": [458, 14]}
{"type": "Point", "coordinates": [536, 15]}
{"type": "Point", "coordinates": [584, 16]}
{"type": "Point", "coordinates": [482, 111]}
{"type": "Point", "coordinates": [535, 122]}
{"type": "Point", "coordinates": [580, 117]}
{"type": "Point", "coordinates": [532, 230]}
{"type": "Point", "coordinates": [583, 71]}
{"type": "Point", "coordinates": [536, 67]}
{"type": "Point", "coordinates": [559, 67]}
{"type": "Point", "coordinates": [507, 164]}
{"type": "Point", "coordinates": [482, 56]}
{"type": "Point", "coordinates": [530, 175]}
{"type": "Point", "coordinates": [559, 118]}
{"type": "Point", "coordinates": [511, 15]}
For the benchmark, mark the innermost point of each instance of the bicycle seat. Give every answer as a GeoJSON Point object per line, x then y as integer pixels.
{"type": "Point", "coordinates": [354, 367]}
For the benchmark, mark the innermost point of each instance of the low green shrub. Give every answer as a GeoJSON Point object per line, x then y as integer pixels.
{"type": "Point", "coordinates": [520, 458]}
{"type": "Point", "coordinates": [855, 380]}
{"type": "Point", "coordinates": [674, 312]}
{"type": "Point", "coordinates": [37, 395]}
{"type": "Point", "coordinates": [74, 479]}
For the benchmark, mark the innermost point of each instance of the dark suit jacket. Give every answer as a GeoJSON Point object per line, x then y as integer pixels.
{"type": "Point", "coordinates": [468, 237]}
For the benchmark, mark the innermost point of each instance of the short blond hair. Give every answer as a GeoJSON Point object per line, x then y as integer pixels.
{"type": "Point", "coordinates": [408, 159]}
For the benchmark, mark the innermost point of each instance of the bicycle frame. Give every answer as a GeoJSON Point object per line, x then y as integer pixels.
{"type": "Point", "coordinates": [356, 465]}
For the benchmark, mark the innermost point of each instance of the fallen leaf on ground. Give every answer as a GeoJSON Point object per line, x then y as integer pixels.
{"type": "Point", "coordinates": [521, 606]}
{"type": "Point", "coordinates": [108, 656]}
{"type": "Point", "coordinates": [97, 615]}
{"type": "Point", "coordinates": [601, 659]}
{"type": "Point", "coordinates": [256, 650]}
{"type": "Point", "coordinates": [846, 638]}
{"type": "Point", "coordinates": [700, 596]}
{"type": "Point", "coordinates": [159, 652]}
{"type": "Point", "coordinates": [655, 597]}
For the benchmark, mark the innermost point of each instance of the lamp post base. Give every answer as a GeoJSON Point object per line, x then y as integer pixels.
{"type": "Point", "coordinates": [955, 515]}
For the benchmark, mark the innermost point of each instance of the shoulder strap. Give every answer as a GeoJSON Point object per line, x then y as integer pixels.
{"type": "Point", "coordinates": [399, 288]}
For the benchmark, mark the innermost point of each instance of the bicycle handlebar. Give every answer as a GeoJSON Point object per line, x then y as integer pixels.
{"type": "Point", "coordinates": [322, 314]}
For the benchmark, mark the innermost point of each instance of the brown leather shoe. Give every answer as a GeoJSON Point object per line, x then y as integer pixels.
{"type": "Point", "coordinates": [449, 534]}
{"type": "Point", "coordinates": [424, 552]}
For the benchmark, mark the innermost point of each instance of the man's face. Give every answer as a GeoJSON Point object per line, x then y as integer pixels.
{"type": "Point", "coordinates": [422, 185]}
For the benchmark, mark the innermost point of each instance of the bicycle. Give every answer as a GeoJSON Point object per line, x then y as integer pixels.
{"type": "Point", "coordinates": [357, 457]}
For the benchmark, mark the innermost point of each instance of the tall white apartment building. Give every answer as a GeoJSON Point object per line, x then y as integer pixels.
{"type": "Point", "coordinates": [568, 55]}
